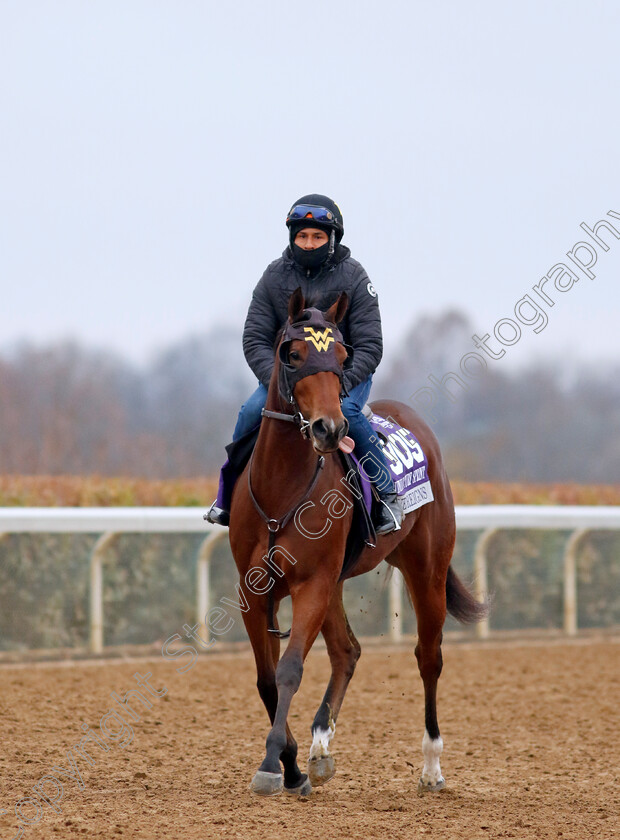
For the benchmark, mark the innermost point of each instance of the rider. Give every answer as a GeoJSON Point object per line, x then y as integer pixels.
{"type": "Point", "coordinates": [316, 261]}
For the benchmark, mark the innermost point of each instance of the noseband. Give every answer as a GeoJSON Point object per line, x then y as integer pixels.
{"type": "Point", "coordinates": [297, 418]}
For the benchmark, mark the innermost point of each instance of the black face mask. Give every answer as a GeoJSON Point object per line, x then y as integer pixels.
{"type": "Point", "coordinates": [310, 259]}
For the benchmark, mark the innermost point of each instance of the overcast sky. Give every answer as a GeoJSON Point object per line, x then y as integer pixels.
{"type": "Point", "coordinates": [149, 152]}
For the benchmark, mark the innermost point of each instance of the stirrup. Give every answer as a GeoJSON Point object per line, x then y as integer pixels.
{"type": "Point", "coordinates": [390, 508]}
{"type": "Point", "coordinates": [217, 516]}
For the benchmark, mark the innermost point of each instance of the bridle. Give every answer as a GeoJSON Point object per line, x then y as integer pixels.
{"type": "Point", "coordinates": [322, 337]}
{"type": "Point", "coordinates": [297, 418]}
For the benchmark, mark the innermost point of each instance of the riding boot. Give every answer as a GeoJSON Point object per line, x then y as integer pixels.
{"type": "Point", "coordinates": [217, 516]}
{"type": "Point", "coordinates": [390, 514]}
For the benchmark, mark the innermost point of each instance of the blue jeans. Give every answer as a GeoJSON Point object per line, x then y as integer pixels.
{"type": "Point", "coordinates": [250, 412]}
{"type": "Point", "coordinates": [367, 449]}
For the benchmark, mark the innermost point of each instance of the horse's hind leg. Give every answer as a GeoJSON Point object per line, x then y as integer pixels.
{"type": "Point", "coordinates": [266, 649]}
{"type": "Point", "coordinates": [344, 651]}
{"type": "Point", "coordinates": [425, 576]}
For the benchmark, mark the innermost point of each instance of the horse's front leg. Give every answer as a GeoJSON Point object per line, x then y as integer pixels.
{"type": "Point", "coordinates": [309, 608]}
{"type": "Point", "coordinates": [344, 651]}
{"type": "Point", "coordinates": [266, 647]}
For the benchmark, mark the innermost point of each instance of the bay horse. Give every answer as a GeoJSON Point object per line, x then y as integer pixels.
{"type": "Point", "coordinates": [275, 557]}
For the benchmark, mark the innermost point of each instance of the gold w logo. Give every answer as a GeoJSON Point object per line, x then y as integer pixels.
{"type": "Point", "coordinates": [320, 338]}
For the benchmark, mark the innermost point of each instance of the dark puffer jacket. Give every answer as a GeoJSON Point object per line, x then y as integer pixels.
{"type": "Point", "coordinates": [268, 312]}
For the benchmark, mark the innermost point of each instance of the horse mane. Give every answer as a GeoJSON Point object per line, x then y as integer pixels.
{"type": "Point", "coordinates": [315, 298]}
{"type": "Point", "coordinates": [312, 301]}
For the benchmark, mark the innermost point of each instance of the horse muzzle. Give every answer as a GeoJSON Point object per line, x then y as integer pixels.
{"type": "Point", "coordinates": [326, 433]}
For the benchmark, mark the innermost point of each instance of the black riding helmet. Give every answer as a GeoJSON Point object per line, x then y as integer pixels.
{"type": "Point", "coordinates": [306, 212]}
{"type": "Point", "coordinates": [314, 211]}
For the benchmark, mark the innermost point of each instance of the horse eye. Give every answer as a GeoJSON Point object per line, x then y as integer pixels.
{"type": "Point", "coordinates": [294, 355]}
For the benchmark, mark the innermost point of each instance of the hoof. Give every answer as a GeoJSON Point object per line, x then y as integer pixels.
{"type": "Point", "coordinates": [321, 770]}
{"type": "Point", "coordinates": [267, 784]}
{"type": "Point", "coordinates": [430, 787]}
{"type": "Point", "coordinates": [304, 788]}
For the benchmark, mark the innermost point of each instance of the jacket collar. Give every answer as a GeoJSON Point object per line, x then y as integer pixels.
{"type": "Point", "coordinates": [341, 253]}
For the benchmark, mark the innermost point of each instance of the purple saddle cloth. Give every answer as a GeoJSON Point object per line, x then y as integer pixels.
{"type": "Point", "coordinates": [407, 462]}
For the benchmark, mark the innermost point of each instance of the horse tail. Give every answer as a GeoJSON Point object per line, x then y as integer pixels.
{"type": "Point", "coordinates": [461, 603]}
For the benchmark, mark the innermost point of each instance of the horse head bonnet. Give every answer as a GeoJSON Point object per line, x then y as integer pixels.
{"type": "Point", "coordinates": [321, 337]}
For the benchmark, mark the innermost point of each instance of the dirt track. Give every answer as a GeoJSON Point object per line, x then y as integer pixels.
{"type": "Point", "coordinates": [530, 732]}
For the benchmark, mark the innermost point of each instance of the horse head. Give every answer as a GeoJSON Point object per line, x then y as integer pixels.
{"type": "Point", "coordinates": [312, 359]}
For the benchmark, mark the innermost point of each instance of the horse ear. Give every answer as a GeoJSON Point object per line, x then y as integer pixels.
{"type": "Point", "coordinates": [296, 305]}
{"type": "Point", "coordinates": [336, 312]}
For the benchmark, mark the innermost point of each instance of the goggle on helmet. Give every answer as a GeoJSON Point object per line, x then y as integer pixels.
{"type": "Point", "coordinates": [325, 217]}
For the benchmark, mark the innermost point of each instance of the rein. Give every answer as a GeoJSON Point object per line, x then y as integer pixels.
{"type": "Point", "coordinates": [275, 525]}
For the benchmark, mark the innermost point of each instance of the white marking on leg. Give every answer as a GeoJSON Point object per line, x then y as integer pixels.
{"type": "Point", "coordinates": [320, 741]}
{"type": "Point", "coordinates": [431, 749]}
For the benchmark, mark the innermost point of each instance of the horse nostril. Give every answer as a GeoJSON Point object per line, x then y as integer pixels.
{"type": "Point", "coordinates": [319, 429]}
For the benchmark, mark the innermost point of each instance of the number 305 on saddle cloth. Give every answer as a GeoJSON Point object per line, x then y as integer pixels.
{"type": "Point", "coordinates": [407, 462]}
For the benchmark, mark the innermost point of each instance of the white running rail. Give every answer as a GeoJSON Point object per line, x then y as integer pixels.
{"type": "Point", "coordinates": [107, 523]}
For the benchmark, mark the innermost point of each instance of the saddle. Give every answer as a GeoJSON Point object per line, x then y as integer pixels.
{"type": "Point", "coordinates": [404, 456]}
